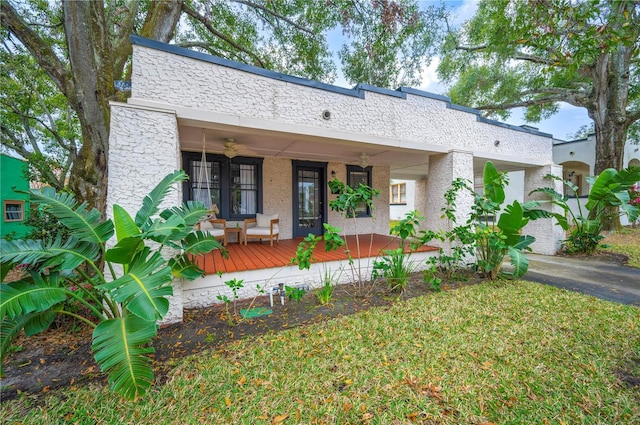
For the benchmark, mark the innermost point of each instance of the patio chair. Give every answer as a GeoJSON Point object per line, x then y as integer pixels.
{"type": "Point", "coordinates": [262, 227]}
{"type": "Point", "coordinates": [216, 227]}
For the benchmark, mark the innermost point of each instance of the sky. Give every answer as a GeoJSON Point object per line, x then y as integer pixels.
{"type": "Point", "coordinates": [562, 125]}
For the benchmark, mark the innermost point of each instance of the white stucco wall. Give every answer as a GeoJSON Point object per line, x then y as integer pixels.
{"type": "Point", "coordinates": [143, 148]}
{"type": "Point", "coordinates": [262, 102]}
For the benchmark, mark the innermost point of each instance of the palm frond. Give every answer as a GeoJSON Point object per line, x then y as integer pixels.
{"type": "Point", "coordinates": [120, 347]}
{"type": "Point", "coordinates": [85, 225]}
{"type": "Point", "coordinates": [151, 202]}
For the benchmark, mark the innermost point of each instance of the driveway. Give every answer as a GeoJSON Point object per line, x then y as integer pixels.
{"type": "Point", "coordinates": [601, 279]}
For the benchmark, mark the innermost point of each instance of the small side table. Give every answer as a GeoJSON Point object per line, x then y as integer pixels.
{"type": "Point", "coordinates": [236, 230]}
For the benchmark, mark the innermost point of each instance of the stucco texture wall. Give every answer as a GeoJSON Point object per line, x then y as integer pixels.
{"type": "Point", "coordinates": [160, 77]}
{"type": "Point", "coordinates": [143, 148]}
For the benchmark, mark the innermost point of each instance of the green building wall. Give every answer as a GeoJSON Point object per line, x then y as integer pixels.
{"type": "Point", "coordinates": [13, 178]}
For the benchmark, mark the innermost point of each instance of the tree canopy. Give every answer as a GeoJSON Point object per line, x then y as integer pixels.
{"type": "Point", "coordinates": [68, 55]}
{"type": "Point", "coordinates": [535, 54]}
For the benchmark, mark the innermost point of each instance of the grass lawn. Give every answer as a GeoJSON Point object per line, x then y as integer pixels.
{"type": "Point", "coordinates": [625, 241]}
{"type": "Point", "coordinates": [514, 352]}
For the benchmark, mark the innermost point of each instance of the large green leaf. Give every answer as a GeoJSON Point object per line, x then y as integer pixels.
{"type": "Point", "coordinates": [519, 262]}
{"type": "Point", "coordinates": [144, 288]}
{"type": "Point", "coordinates": [511, 222]}
{"type": "Point", "coordinates": [199, 243]}
{"type": "Point", "coordinates": [191, 212]}
{"type": "Point", "coordinates": [84, 225]}
{"type": "Point", "coordinates": [492, 181]}
{"type": "Point", "coordinates": [125, 226]}
{"type": "Point", "coordinates": [151, 202]}
{"type": "Point", "coordinates": [120, 347]}
{"type": "Point", "coordinates": [124, 251]}
{"type": "Point", "coordinates": [54, 254]}
{"type": "Point", "coordinates": [20, 298]}
{"type": "Point", "coordinates": [183, 267]}
{"type": "Point", "coordinates": [31, 322]}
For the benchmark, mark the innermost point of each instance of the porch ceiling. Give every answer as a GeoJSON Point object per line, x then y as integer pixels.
{"type": "Point", "coordinates": [405, 163]}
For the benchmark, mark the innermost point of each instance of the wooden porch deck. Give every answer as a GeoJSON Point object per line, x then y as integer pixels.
{"type": "Point", "coordinates": [260, 255]}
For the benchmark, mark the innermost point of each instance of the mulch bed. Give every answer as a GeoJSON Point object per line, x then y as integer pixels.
{"type": "Point", "coordinates": [62, 357]}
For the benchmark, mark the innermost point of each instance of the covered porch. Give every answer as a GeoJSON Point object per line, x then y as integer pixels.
{"type": "Point", "coordinates": [260, 255]}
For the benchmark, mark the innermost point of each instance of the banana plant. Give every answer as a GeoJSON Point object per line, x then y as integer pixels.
{"type": "Point", "coordinates": [492, 239]}
{"type": "Point", "coordinates": [124, 284]}
{"type": "Point", "coordinates": [611, 188]}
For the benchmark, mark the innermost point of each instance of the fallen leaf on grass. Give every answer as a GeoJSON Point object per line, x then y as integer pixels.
{"type": "Point", "coordinates": [278, 419]}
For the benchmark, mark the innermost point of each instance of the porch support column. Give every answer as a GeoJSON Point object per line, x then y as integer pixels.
{"type": "Point", "coordinates": [143, 148]}
{"type": "Point", "coordinates": [548, 234]}
{"type": "Point", "coordinates": [420, 199]}
{"type": "Point", "coordinates": [443, 169]}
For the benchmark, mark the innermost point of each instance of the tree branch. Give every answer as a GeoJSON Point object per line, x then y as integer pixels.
{"type": "Point", "coordinates": [530, 102]}
{"type": "Point", "coordinates": [40, 49]}
{"type": "Point", "coordinates": [275, 14]}
{"type": "Point", "coordinates": [632, 117]}
{"type": "Point", "coordinates": [204, 21]}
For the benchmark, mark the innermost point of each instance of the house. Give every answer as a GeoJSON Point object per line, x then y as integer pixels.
{"type": "Point", "coordinates": [578, 158]}
{"type": "Point", "coordinates": [15, 205]}
{"type": "Point", "coordinates": [272, 141]}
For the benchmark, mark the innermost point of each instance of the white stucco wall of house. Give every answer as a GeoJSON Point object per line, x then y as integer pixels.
{"type": "Point", "coordinates": [417, 121]}
{"type": "Point", "coordinates": [143, 148]}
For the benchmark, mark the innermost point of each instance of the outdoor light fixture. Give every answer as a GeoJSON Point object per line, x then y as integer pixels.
{"type": "Point", "coordinates": [364, 160]}
{"type": "Point", "coordinates": [229, 149]}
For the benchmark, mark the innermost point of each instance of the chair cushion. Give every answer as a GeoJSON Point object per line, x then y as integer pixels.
{"type": "Point", "coordinates": [264, 220]}
{"type": "Point", "coordinates": [261, 231]}
{"type": "Point", "coordinates": [205, 225]}
{"type": "Point", "coordinates": [215, 231]}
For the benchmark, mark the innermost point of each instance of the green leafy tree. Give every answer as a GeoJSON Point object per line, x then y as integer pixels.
{"type": "Point", "coordinates": [536, 54]}
{"type": "Point", "coordinates": [127, 299]}
{"type": "Point", "coordinates": [83, 47]}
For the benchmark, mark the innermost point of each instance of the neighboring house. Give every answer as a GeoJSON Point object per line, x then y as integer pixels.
{"type": "Point", "coordinates": [15, 205]}
{"type": "Point", "coordinates": [272, 141]}
{"type": "Point", "coordinates": [401, 198]}
{"type": "Point", "coordinates": [578, 158]}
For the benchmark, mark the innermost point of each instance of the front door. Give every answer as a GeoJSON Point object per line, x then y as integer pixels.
{"type": "Point", "coordinates": [309, 197]}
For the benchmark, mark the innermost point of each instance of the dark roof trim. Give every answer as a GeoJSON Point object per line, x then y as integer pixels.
{"type": "Point", "coordinates": [357, 91]}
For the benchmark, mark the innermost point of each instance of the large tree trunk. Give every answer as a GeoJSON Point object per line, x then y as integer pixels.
{"type": "Point", "coordinates": [608, 109]}
{"type": "Point", "coordinates": [91, 62]}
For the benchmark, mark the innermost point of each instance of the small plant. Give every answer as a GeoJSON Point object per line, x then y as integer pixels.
{"type": "Point", "coordinates": [325, 293]}
{"type": "Point", "coordinates": [396, 265]}
{"type": "Point", "coordinates": [235, 285]}
{"type": "Point", "coordinates": [348, 201]}
{"type": "Point", "coordinates": [430, 278]}
{"type": "Point", "coordinates": [294, 293]}
{"type": "Point", "coordinates": [304, 257]}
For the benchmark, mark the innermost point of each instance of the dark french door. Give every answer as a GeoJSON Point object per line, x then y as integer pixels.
{"type": "Point", "coordinates": [309, 197]}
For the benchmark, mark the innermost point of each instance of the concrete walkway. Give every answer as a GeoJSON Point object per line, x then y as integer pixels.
{"type": "Point", "coordinates": [600, 279]}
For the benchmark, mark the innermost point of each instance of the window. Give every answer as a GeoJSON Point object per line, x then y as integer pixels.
{"type": "Point", "coordinates": [235, 185]}
{"type": "Point", "coordinates": [13, 210]}
{"type": "Point", "coordinates": [398, 193]}
{"type": "Point", "coordinates": [357, 175]}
